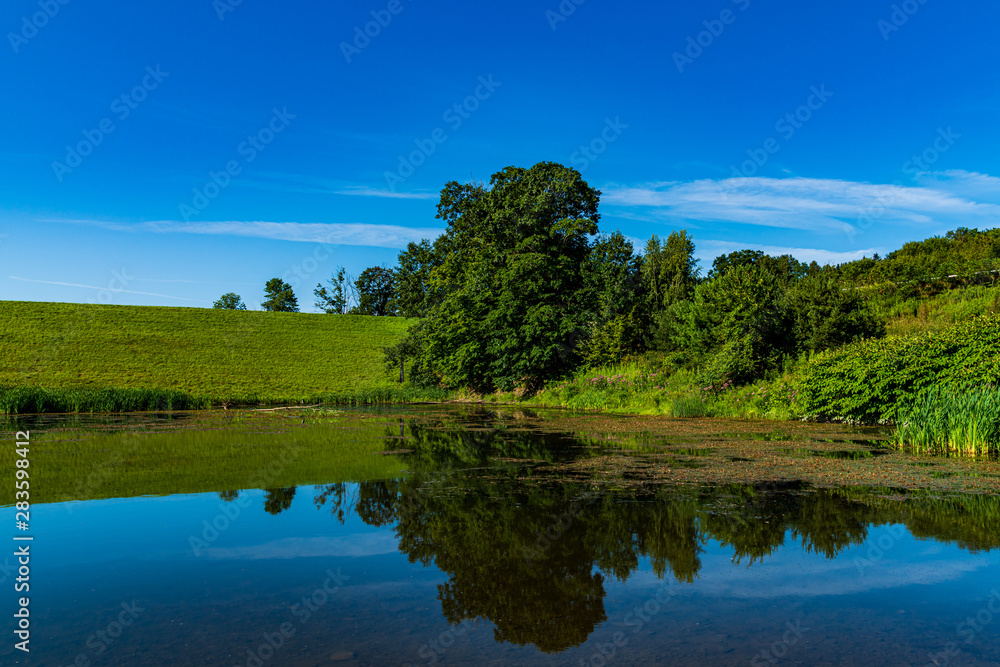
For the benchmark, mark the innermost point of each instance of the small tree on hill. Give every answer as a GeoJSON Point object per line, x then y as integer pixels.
{"type": "Point", "coordinates": [230, 301]}
{"type": "Point", "coordinates": [280, 297]}
{"type": "Point", "coordinates": [337, 299]}
{"type": "Point", "coordinates": [376, 289]}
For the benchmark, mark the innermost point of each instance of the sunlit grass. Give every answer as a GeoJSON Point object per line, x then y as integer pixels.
{"type": "Point", "coordinates": [638, 386]}
{"type": "Point", "coordinates": [79, 357]}
{"type": "Point", "coordinates": [952, 419]}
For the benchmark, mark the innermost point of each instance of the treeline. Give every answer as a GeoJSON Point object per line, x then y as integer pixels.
{"type": "Point", "coordinates": [522, 288]}
{"type": "Point", "coordinates": [968, 254]}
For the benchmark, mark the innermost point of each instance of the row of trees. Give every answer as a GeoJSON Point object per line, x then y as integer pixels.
{"type": "Point", "coordinates": [963, 252]}
{"type": "Point", "coordinates": [373, 293]}
{"type": "Point", "coordinates": [521, 288]}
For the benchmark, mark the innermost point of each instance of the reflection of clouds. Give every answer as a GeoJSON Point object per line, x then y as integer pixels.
{"type": "Point", "coordinates": [790, 572]}
{"type": "Point", "coordinates": [350, 546]}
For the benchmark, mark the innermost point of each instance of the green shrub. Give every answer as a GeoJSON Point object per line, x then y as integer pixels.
{"type": "Point", "coordinates": [871, 381]}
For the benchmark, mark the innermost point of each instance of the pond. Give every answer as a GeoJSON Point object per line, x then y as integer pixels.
{"type": "Point", "coordinates": [464, 535]}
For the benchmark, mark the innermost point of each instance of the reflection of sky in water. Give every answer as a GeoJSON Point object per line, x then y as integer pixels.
{"type": "Point", "coordinates": [212, 609]}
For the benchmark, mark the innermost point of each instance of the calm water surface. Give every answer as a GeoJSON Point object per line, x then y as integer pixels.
{"type": "Point", "coordinates": [268, 545]}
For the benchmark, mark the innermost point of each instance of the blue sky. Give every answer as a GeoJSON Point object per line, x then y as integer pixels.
{"type": "Point", "coordinates": [166, 154]}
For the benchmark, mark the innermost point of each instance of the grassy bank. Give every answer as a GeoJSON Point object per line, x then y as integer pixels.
{"type": "Point", "coordinates": [640, 386]}
{"type": "Point", "coordinates": [57, 357]}
{"type": "Point", "coordinates": [935, 388]}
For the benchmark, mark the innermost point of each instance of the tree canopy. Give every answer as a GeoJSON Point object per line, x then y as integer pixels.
{"type": "Point", "coordinates": [279, 297]}
{"type": "Point", "coordinates": [230, 301]}
{"type": "Point", "coordinates": [508, 281]}
{"type": "Point", "coordinates": [521, 289]}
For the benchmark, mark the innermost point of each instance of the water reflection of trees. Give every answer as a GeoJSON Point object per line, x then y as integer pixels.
{"type": "Point", "coordinates": [277, 501]}
{"type": "Point", "coordinates": [531, 553]}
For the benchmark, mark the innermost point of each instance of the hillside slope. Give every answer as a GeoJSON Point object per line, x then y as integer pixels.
{"type": "Point", "coordinates": [200, 351]}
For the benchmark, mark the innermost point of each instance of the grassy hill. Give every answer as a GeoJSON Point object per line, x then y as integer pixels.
{"type": "Point", "coordinates": [219, 355]}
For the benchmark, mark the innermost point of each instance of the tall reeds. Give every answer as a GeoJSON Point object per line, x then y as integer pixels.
{"type": "Point", "coordinates": [957, 419]}
{"type": "Point", "coordinates": [33, 400]}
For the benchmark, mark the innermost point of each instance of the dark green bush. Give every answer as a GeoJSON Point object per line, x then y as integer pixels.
{"type": "Point", "coordinates": [871, 381]}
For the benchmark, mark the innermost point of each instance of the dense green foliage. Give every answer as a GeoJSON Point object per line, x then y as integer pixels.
{"type": "Point", "coordinates": [230, 301]}
{"type": "Point", "coordinates": [871, 381]}
{"type": "Point", "coordinates": [376, 291]}
{"type": "Point", "coordinates": [216, 355]}
{"type": "Point", "coordinates": [521, 290]}
{"type": "Point", "coordinates": [279, 297]}
{"type": "Point", "coordinates": [505, 300]}
{"type": "Point", "coordinates": [960, 255]}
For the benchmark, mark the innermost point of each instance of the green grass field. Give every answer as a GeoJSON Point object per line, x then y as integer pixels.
{"type": "Point", "coordinates": [220, 354]}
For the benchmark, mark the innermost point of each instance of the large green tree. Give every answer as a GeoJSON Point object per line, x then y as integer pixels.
{"type": "Point", "coordinates": [613, 295]}
{"type": "Point", "coordinates": [507, 310]}
{"type": "Point", "coordinates": [376, 290]}
{"type": "Point", "coordinates": [413, 274]}
{"type": "Point", "coordinates": [827, 315]}
{"type": "Point", "coordinates": [669, 270]}
{"type": "Point", "coordinates": [279, 297]}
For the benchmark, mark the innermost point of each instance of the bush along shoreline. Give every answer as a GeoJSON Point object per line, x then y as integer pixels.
{"type": "Point", "coordinates": [938, 391]}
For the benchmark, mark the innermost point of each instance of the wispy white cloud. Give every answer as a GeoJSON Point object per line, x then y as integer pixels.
{"type": "Point", "coordinates": [710, 249]}
{"type": "Point", "coordinates": [306, 184]}
{"type": "Point", "coordinates": [353, 234]}
{"type": "Point", "coordinates": [109, 289]}
{"type": "Point", "coordinates": [363, 191]}
{"type": "Point", "coordinates": [812, 204]}
{"type": "Point", "coordinates": [969, 184]}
